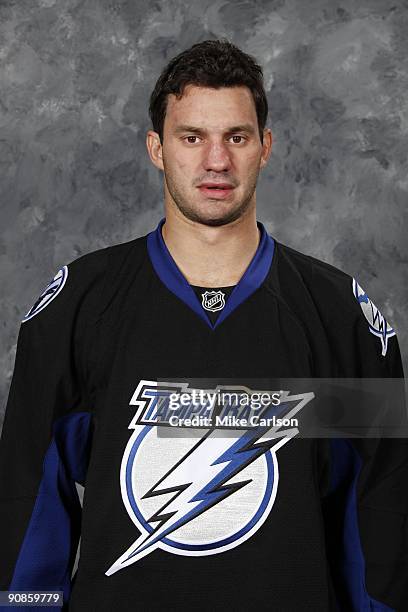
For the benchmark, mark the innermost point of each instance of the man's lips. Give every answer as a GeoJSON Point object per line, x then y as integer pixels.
{"type": "Point", "coordinates": [216, 190]}
{"type": "Point", "coordinates": [220, 185]}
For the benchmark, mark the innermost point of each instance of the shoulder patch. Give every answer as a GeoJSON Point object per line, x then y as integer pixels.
{"type": "Point", "coordinates": [50, 293]}
{"type": "Point", "coordinates": [377, 323]}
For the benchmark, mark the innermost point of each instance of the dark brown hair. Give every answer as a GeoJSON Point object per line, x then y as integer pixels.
{"type": "Point", "coordinates": [211, 63]}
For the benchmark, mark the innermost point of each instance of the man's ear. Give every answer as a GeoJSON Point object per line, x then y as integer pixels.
{"type": "Point", "coordinates": [154, 148]}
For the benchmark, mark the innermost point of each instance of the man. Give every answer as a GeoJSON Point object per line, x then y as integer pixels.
{"type": "Point", "coordinates": [176, 516]}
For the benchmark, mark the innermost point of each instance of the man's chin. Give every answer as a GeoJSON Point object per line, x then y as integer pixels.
{"type": "Point", "coordinates": [217, 222]}
{"type": "Point", "coordinates": [212, 220]}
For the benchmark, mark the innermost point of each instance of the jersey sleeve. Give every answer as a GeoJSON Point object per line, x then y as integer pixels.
{"type": "Point", "coordinates": [370, 483]}
{"type": "Point", "coordinates": [46, 435]}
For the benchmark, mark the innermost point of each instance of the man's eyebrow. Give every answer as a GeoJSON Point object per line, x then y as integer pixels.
{"type": "Point", "coordinates": [244, 127]}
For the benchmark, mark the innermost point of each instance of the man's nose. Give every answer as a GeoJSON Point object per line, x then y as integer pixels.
{"type": "Point", "coordinates": [217, 157]}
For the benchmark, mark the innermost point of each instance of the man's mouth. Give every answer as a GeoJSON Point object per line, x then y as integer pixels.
{"type": "Point", "coordinates": [216, 191]}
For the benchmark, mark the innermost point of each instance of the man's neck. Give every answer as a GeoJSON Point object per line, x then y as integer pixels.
{"type": "Point", "coordinates": [211, 256]}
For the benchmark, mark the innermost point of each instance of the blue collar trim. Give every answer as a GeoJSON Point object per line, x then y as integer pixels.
{"type": "Point", "coordinates": [171, 276]}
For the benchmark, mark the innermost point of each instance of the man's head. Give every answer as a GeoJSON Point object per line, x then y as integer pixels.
{"type": "Point", "coordinates": [208, 111]}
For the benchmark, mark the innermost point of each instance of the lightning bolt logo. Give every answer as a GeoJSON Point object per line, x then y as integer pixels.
{"type": "Point", "coordinates": [377, 323]}
{"type": "Point", "coordinates": [213, 470]}
{"type": "Point", "coordinates": [50, 293]}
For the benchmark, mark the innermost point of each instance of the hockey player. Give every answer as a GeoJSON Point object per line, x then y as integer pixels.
{"type": "Point", "coordinates": [266, 519]}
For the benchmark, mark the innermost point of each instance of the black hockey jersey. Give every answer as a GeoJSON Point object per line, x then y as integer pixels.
{"type": "Point", "coordinates": [196, 522]}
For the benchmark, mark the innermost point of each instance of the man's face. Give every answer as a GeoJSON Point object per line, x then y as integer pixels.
{"type": "Point", "coordinates": [211, 136]}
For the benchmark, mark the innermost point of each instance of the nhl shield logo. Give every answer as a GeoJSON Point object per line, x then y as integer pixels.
{"type": "Point", "coordinates": [213, 300]}
{"type": "Point", "coordinates": [377, 323]}
{"type": "Point", "coordinates": [50, 293]}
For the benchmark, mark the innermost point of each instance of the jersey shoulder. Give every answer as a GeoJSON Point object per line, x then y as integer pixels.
{"type": "Point", "coordinates": [324, 283]}
{"type": "Point", "coordinates": [337, 295]}
{"type": "Point", "coordinates": [80, 284]}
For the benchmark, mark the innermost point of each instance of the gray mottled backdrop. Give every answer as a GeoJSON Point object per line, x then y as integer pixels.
{"type": "Point", "coordinates": [75, 79]}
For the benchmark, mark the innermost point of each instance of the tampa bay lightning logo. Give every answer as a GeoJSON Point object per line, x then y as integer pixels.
{"type": "Point", "coordinates": [50, 293]}
{"type": "Point", "coordinates": [200, 494]}
{"type": "Point", "coordinates": [377, 323]}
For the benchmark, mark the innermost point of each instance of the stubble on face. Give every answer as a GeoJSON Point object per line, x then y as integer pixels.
{"type": "Point", "coordinates": [204, 217]}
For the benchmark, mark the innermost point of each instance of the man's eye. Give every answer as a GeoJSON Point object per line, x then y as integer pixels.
{"type": "Point", "coordinates": [233, 136]}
